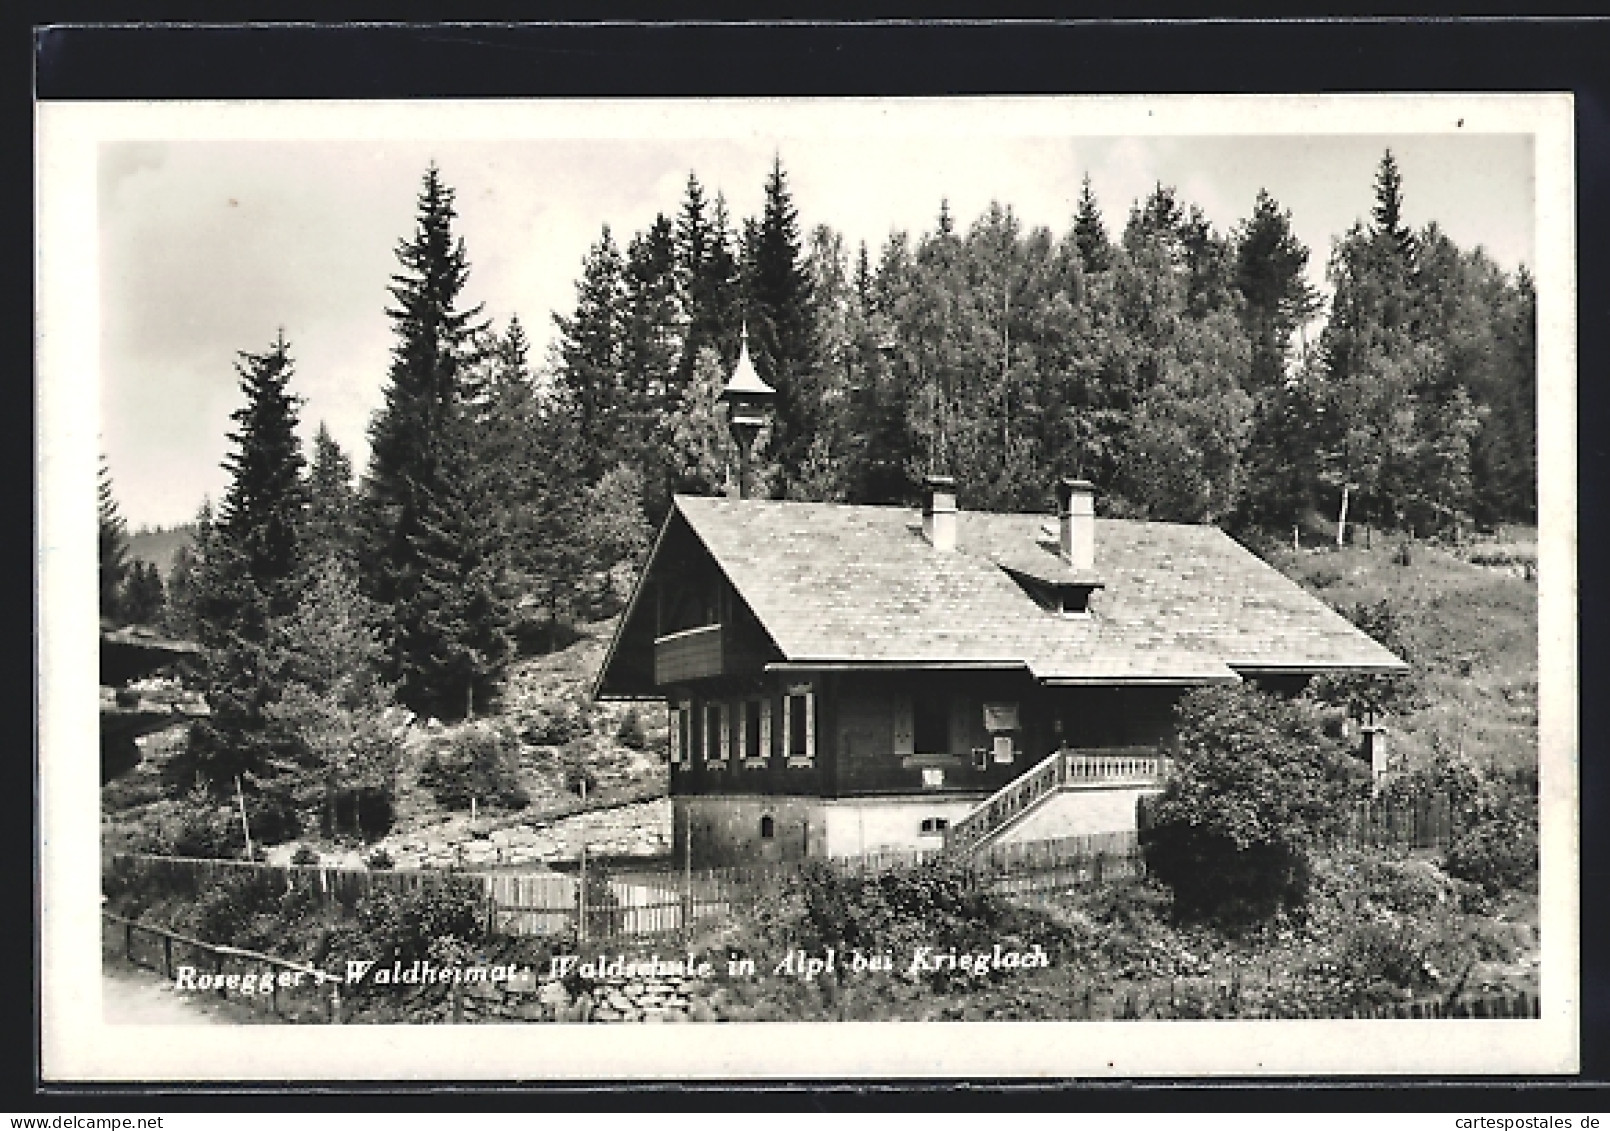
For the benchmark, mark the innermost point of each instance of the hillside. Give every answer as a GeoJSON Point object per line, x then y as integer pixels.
{"type": "Point", "coordinates": [1468, 618]}
{"type": "Point", "coordinates": [554, 735]}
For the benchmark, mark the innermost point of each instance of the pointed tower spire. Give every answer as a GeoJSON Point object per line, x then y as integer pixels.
{"type": "Point", "coordinates": [748, 400]}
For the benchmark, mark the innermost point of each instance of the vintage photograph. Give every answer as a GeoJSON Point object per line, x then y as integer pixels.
{"type": "Point", "coordinates": [567, 569]}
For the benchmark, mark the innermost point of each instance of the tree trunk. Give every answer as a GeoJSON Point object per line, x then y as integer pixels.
{"type": "Point", "coordinates": [1341, 518]}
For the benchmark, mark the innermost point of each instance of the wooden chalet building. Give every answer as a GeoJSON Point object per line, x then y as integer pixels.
{"type": "Point", "coordinates": [848, 679]}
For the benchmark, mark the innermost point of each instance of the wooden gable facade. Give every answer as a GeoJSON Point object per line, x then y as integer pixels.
{"type": "Point", "coordinates": [819, 743]}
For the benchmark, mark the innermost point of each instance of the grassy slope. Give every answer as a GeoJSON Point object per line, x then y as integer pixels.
{"type": "Point", "coordinates": [1472, 636]}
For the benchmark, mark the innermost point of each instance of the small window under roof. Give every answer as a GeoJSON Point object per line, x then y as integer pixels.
{"type": "Point", "coordinates": [1072, 599]}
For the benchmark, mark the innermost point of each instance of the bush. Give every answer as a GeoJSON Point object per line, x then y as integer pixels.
{"type": "Point", "coordinates": [555, 722]}
{"type": "Point", "coordinates": [1499, 852]}
{"type": "Point", "coordinates": [1365, 695]}
{"type": "Point", "coordinates": [575, 762]}
{"type": "Point", "coordinates": [630, 732]}
{"type": "Point", "coordinates": [404, 926]}
{"type": "Point", "coordinates": [304, 855]}
{"type": "Point", "coordinates": [477, 763]}
{"type": "Point", "coordinates": [380, 860]}
{"type": "Point", "coordinates": [203, 830]}
{"type": "Point", "coordinates": [368, 811]}
{"type": "Point", "coordinates": [274, 819]}
{"type": "Point", "coordinates": [1257, 782]}
{"type": "Point", "coordinates": [229, 911]}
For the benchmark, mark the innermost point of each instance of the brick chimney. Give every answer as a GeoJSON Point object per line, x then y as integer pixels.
{"type": "Point", "coordinates": [939, 511]}
{"type": "Point", "coordinates": [1076, 517]}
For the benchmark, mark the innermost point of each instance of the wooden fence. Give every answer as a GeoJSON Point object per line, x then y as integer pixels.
{"type": "Point", "coordinates": [637, 899]}
{"type": "Point", "coordinates": [1428, 821]}
{"type": "Point", "coordinates": [607, 901]}
{"type": "Point", "coordinates": [307, 992]}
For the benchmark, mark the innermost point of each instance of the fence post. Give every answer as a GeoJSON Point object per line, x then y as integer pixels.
{"type": "Point", "coordinates": [335, 1001]}
{"type": "Point", "coordinates": [581, 898]}
{"type": "Point", "coordinates": [167, 957]}
{"type": "Point", "coordinates": [128, 941]}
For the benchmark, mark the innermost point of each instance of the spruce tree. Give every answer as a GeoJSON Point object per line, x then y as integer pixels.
{"type": "Point", "coordinates": [112, 543]}
{"type": "Point", "coordinates": [590, 351]}
{"type": "Point", "coordinates": [433, 348]}
{"type": "Point", "coordinates": [1387, 212]}
{"type": "Point", "coordinates": [781, 319]}
{"type": "Point", "coordinates": [247, 573]}
{"type": "Point", "coordinates": [264, 507]}
{"type": "Point", "coordinates": [332, 503]}
{"type": "Point", "coordinates": [652, 346]}
{"type": "Point", "coordinates": [452, 639]}
{"type": "Point", "coordinates": [143, 599]}
{"type": "Point", "coordinates": [1090, 233]}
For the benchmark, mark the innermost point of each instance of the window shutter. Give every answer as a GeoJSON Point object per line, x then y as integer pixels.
{"type": "Point", "coordinates": [961, 731]}
{"type": "Point", "coordinates": [810, 724]}
{"type": "Point", "coordinates": [905, 739]}
{"type": "Point", "coordinates": [726, 730]}
{"type": "Point", "coordinates": [765, 730]}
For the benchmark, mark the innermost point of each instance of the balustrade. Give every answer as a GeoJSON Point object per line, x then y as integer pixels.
{"type": "Point", "coordinates": [1061, 769]}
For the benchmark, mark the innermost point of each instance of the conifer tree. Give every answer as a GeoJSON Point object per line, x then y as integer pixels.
{"type": "Point", "coordinates": [264, 508]}
{"type": "Point", "coordinates": [452, 636]}
{"type": "Point", "coordinates": [591, 351]}
{"type": "Point", "coordinates": [331, 529]}
{"type": "Point", "coordinates": [112, 543]}
{"type": "Point", "coordinates": [248, 573]}
{"type": "Point", "coordinates": [432, 351]}
{"type": "Point", "coordinates": [143, 598]}
{"type": "Point", "coordinates": [781, 320]}
{"type": "Point", "coordinates": [1090, 233]}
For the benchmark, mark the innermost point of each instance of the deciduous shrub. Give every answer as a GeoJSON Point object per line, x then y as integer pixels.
{"type": "Point", "coordinates": [1257, 783]}
{"type": "Point", "coordinates": [555, 721]}
{"type": "Point", "coordinates": [576, 766]}
{"type": "Point", "coordinates": [477, 763]}
{"type": "Point", "coordinates": [935, 905]}
{"type": "Point", "coordinates": [225, 911]}
{"type": "Point", "coordinates": [1365, 695]}
{"type": "Point", "coordinates": [1498, 852]}
{"type": "Point", "coordinates": [202, 829]}
{"type": "Point", "coordinates": [630, 732]}
{"type": "Point", "coordinates": [403, 926]}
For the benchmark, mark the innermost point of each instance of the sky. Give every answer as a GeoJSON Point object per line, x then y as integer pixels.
{"type": "Point", "coordinates": [210, 246]}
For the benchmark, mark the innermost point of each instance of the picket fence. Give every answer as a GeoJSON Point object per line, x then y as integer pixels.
{"type": "Point", "coordinates": [605, 900]}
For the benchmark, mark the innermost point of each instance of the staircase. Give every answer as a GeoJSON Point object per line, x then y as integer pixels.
{"type": "Point", "coordinates": [1108, 767]}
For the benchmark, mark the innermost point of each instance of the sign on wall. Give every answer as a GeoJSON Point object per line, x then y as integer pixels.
{"type": "Point", "coordinates": [1000, 716]}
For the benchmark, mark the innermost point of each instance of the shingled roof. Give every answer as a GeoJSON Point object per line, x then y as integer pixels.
{"type": "Point", "coordinates": [852, 585]}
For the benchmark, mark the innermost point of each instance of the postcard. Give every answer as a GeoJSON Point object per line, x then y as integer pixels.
{"type": "Point", "coordinates": [1034, 587]}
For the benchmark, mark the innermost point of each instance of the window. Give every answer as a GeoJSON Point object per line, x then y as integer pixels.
{"type": "Point", "coordinates": [931, 725]}
{"type": "Point", "coordinates": [753, 739]}
{"type": "Point", "coordinates": [799, 724]}
{"type": "Point", "coordinates": [768, 828]}
{"type": "Point", "coordinates": [681, 734]}
{"type": "Point", "coordinates": [715, 732]}
{"type": "Point", "coordinates": [934, 825]}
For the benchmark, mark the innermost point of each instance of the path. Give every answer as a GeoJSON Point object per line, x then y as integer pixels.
{"type": "Point", "coordinates": [137, 997]}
